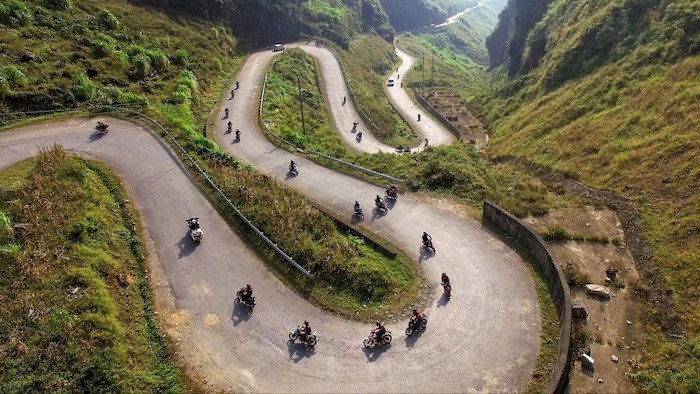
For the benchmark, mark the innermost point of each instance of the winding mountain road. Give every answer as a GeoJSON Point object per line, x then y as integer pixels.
{"type": "Point", "coordinates": [485, 338]}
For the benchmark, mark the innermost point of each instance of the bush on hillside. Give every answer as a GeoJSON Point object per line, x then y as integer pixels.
{"type": "Point", "coordinates": [107, 20]}
{"type": "Point", "coordinates": [58, 4]}
{"type": "Point", "coordinates": [83, 88]}
{"type": "Point", "coordinates": [15, 13]}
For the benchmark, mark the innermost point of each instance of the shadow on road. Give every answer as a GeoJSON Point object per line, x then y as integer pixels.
{"type": "Point", "coordinates": [186, 245]}
{"type": "Point", "coordinates": [425, 254]}
{"type": "Point", "coordinates": [410, 341]}
{"type": "Point", "coordinates": [390, 202]}
{"type": "Point", "coordinates": [299, 351]}
{"type": "Point", "coordinates": [443, 300]}
{"type": "Point", "coordinates": [240, 313]}
{"type": "Point", "coordinates": [290, 175]}
{"type": "Point", "coordinates": [95, 136]}
{"type": "Point", "coordinates": [375, 351]}
{"type": "Point", "coordinates": [235, 141]}
{"type": "Point", "coordinates": [354, 219]}
{"type": "Point", "coordinates": [378, 213]}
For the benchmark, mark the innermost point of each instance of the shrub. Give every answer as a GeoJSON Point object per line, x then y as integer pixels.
{"type": "Point", "coordinates": [159, 59]}
{"type": "Point", "coordinates": [4, 86]}
{"type": "Point", "coordinates": [58, 4]}
{"type": "Point", "coordinates": [83, 88]}
{"type": "Point", "coordinates": [107, 20]}
{"type": "Point", "coordinates": [181, 57]}
{"type": "Point", "coordinates": [104, 45]}
{"type": "Point", "coordinates": [14, 13]}
{"type": "Point", "coordinates": [142, 64]}
{"type": "Point", "coordinates": [114, 95]}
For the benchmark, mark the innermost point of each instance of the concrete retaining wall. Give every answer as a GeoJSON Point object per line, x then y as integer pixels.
{"type": "Point", "coordinates": [453, 129]}
{"type": "Point", "coordinates": [557, 283]}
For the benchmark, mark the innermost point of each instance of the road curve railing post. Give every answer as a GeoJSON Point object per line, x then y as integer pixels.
{"type": "Point", "coordinates": [262, 123]}
{"type": "Point", "coordinates": [238, 212]}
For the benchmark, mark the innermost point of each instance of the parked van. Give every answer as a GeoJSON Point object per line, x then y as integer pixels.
{"type": "Point", "coordinates": [277, 48]}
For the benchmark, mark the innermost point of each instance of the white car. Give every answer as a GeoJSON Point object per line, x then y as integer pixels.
{"type": "Point", "coordinates": [277, 48]}
{"type": "Point", "coordinates": [390, 82]}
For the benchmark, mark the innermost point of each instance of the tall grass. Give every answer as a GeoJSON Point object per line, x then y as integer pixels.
{"type": "Point", "coordinates": [77, 314]}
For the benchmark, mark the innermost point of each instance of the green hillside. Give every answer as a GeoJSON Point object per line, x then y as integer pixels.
{"type": "Point", "coordinates": [608, 92]}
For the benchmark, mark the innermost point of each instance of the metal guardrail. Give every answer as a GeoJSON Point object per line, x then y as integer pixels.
{"type": "Point", "coordinates": [250, 224]}
{"type": "Point", "coordinates": [340, 161]}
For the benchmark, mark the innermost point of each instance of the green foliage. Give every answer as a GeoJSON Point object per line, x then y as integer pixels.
{"type": "Point", "coordinates": [114, 95]}
{"type": "Point", "coordinates": [83, 88]}
{"type": "Point", "coordinates": [13, 75]}
{"type": "Point", "coordinates": [107, 20]}
{"type": "Point", "coordinates": [181, 57]}
{"type": "Point", "coordinates": [14, 13]}
{"type": "Point", "coordinates": [104, 45]}
{"type": "Point", "coordinates": [142, 65]}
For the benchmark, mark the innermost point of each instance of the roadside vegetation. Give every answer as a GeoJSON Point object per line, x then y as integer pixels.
{"type": "Point", "coordinates": [616, 110]}
{"type": "Point", "coordinates": [77, 313]}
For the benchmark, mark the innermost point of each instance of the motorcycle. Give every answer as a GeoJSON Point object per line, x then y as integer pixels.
{"type": "Point", "coordinates": [310, 340]}
{"type": "Point", "coordinates": [381, 206]}
{"type": "Point", "coordinates": [359, 137]}
{"type": "Point", "coordinates": [229, 127]}
{"type": "Point", "coordinates": [293, 169]}
{"type": "Point", "coordinates": [414, 325]}
{"type": "Point", "coordinates": [359, 213]}
{"type": "Point", "coordinates": [195, 230]}
{"type": "Point", "coordinates": [447, 288]}
{"type": "Point", "coordinates": [392, 192]}
{"type": "Point", "coordinates": [428, 244]}
{"type": "Point", "coordinates": [226, 113]}
{"type": "Point", "coordinates": [238, 135]}
{"type": "Point", "coordinates": [250, 302]}
{"type": "Point", "coordinates": [372, 339]}
{"type": "Point", "coordinates": [101, 128]}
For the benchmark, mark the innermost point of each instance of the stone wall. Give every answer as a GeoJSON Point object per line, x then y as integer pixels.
{"type": "Point", "coordinates": [557, 284]}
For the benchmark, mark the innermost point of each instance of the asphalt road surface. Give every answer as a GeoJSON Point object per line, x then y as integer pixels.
{"type": "Point", "coordinates": [485, 338]}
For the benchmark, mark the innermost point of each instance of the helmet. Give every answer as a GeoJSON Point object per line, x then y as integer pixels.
{"type": "Point", "coordinates": [378, 324]}
{"type": "Point", "coordinates": [414, 310]}
{"type": "Point", "coordinates": [248, 285]}
{"type": "Point", "coordinates": [443, 274]}
{"type": "Point", "coordinates": [306, 323]}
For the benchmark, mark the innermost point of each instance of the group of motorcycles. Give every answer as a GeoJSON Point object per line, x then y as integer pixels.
{"type": "Point", "coordinates": [380, 205]}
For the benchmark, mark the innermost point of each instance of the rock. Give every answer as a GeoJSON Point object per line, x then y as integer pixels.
{"type": "Point", "coordinates": [27, 57]}
{"type": "Point", "coordinates": [611, 272]}
{"type": "Point", "coordinates": [614, 358]}
{"type": "Point", "coordinates": [598, 290]}
{"type": "Point", "coordinates": [587, 362]}
{"type": "Point", "coordinates": [578, 310]}
{"type": "Point", "coordinates": [601, 381]}
{"type": "Point", "coordinates": [629, 323]}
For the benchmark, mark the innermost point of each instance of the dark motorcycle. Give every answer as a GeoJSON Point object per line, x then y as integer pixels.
{"type": "Point", "coordinates": [415, 325]}
{"type": "Point", "coordinates": [359, 137]}
{"type": "Point", "coordinates": [392, 192]}
{"type": "Point", "coordinates": [428, 244]}
{"type": "Point", "coordinates": [372, 339]}
{"type": "Point", "coordinates": [293, 169]}
{"type": "Point", "coordinates": [250, 302]}
{"type": "Point", "coordinates": [101, 128]}
{"type": "Point", "coordinates": [238, 135]}
{"type": "Point", "coordinates": [359, 213]}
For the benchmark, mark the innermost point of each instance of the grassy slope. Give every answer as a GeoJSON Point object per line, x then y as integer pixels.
{"type": "Point", "coordinates": [627, 124]}
{"type": "Point", "coordinates": [80, 235]}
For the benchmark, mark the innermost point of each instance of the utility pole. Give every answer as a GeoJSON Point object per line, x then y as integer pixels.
{"type": "Point", "coordinates": [423, 68]}
{"type": "Point", "coordinates": [432, 71]}
{"type": "Point", "coordinates": [301, 107]}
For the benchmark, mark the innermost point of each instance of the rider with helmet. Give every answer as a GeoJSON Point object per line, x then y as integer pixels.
{"type": "Point", "coordinates": [304, 331]}
{"type": "Point", "coordinates": [426, 238]}
{"type": "Point", "coordinates": [379, 201]}
{"type": "Point", "coordinates": [357, 207]}
{"type": "Point", "coordinates": [379, 331]}
{"type": "Point", "coordinates": [445, 280]}
{"type": "Point", "coordinates": [415, 319]}
{"type": "Point", "coordinates": [246, 293]}
{"type": "Point", "coordinates": [292, 166]}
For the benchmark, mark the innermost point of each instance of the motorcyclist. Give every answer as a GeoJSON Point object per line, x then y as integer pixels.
{"type": "Point", "coordinates": [193, 223]}
{"type": "Point", "coordinates": [238, 134]}
{"type": "Point", "coordinates": [292, 166]}
{"type": "Point", "coordinates": [379, 202]}
{"type": "Point", "coordinates": [426, 238]}
{"type": "Point", "coordinates": [246, 293]}
{"type": "Point", "coordinates": [304, 331]}
{"type": "Point", "coordinates": [357, 207]}
{"type": "Point", "coordinates": [445, 280]}
{"type": "Point", "coordinates": [226, 112]}
{"type": "Point", "coordinates": [359, 135]}
{"type": "Point", "coordinates": [379, 331]}
{"type": "Point", "coordinates": [392, 191]}
{"type": "Point", "coordinates": [233, 93]}
{"type": "Point", "coordinates": [344, 100]}
{"type": "Point", "coordinates": [415, 319]}
{"type": "Point", "coordinates": [230, 125]}
{"type": "Point", "coordinates": [237, 85]}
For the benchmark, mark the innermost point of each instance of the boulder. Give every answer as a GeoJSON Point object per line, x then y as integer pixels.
{"type": "Point", "coordinates": [598, 290]}
{"type": "Point", "coordinates": [27, 57]}
{"type": "Point", "coordinates": [578, 311]}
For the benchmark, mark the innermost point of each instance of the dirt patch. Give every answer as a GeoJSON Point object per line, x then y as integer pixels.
{"type": "Point", "coordinates": [456, 111]}
{"type": "Point", "coordinates": [612, 329]}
